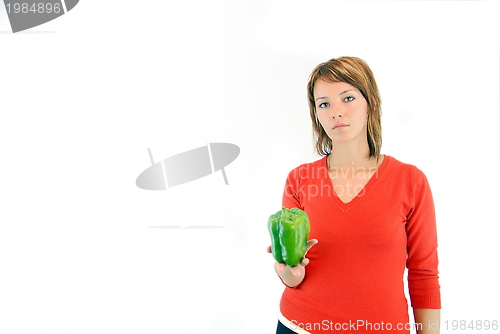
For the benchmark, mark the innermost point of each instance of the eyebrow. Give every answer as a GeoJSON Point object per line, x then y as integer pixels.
{"type": "Point", "coordinates": [324, 97]}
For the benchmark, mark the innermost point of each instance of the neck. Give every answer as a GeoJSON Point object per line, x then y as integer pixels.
{"type": "Point", "coordinates": [349, 155]}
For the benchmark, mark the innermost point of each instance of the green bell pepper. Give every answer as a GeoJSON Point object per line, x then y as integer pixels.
{"type": "Point", "coordinates": [289, 230]}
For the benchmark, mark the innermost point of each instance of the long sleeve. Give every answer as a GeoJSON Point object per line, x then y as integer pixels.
{"type": "Point", "coordinates": [422, 257]}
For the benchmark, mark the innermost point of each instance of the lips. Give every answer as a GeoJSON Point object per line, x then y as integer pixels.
{"type": "Point", "coordinates": [340, 126]}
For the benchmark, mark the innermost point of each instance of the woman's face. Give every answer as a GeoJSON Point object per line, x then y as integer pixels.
{"type": "Point", "coordinates": [341, 109]}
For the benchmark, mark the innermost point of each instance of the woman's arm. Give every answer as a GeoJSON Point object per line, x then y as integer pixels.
{"type": "Point", "coordinates": [422, 261]}
{"type": "Point", "coordinates": [429, 320]}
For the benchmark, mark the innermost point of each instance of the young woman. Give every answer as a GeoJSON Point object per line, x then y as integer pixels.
{"type": "Point", "coordinates": [371, 217]}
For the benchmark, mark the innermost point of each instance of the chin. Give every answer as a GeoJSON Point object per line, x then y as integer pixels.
{"type": "Point", "coordinates": [341, 139]}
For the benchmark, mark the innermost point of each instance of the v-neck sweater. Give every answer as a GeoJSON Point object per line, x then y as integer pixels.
{"type": "Point", "coordinates": [356, 270]}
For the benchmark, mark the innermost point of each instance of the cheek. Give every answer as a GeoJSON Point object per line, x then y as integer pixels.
{"type": "Point", "coordinates": [321, 118]}
{"type": "Point", "coordinates": [324, 122]}
{"type": "Point", "coordinates": [361, 113]}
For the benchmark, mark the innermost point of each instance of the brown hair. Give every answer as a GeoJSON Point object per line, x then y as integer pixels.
{"type": "Point", "coordinates": [355, 72]}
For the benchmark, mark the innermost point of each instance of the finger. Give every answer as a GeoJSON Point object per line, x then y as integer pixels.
{"type": "Point", "coordinates": [295, 271]}
{"type": "Point", "coordinates": [279, 266]}
{"type": "Point", "coordinates": [309, 245]}
{"type": "Point", "coordinates": [304, 262]}
{"type": "Point", "coordinates": [269, 249]}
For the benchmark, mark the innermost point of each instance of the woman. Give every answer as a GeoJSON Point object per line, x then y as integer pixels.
{"type": "Point", "coordinates": [371, 216]}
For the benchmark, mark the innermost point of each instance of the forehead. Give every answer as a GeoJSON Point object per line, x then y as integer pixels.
{"type": "Point", "coordinates": [326, 88]}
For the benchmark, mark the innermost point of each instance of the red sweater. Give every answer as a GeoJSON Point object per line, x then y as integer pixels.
{"type": "Point", "coordinates": [354, 281]}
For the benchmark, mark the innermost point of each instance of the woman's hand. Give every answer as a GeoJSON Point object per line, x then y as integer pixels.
{"type": "Point", "coordinates": [292, 276]}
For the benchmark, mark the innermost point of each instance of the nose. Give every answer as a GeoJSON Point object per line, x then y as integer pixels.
{"type": "Point", "coordinates": [337, 111]}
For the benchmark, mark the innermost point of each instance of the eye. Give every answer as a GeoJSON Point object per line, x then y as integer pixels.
{"type": "Point", "coordinates": [323, 105]}
{"type": "Point", "coordinates": [348, 98]}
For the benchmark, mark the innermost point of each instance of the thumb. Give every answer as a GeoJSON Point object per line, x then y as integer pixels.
{"type": "Point", "coordinates": [309, 245]}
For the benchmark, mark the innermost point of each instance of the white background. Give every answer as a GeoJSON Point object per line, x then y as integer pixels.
{"type": "Point", "coordinates": [83, 97]}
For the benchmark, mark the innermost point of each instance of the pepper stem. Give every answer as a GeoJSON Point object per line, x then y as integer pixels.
{"type": "Point", "coordinates": [284, 213]}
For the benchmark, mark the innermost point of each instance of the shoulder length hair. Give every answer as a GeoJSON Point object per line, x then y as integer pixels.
{"type": "Point", "coordinates": [357, 73]}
